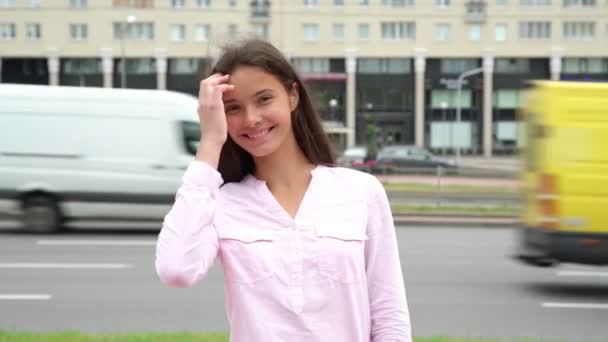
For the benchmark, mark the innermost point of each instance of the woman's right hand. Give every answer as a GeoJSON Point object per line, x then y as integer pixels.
{"type": "Point", "coordinates": [212, 116]}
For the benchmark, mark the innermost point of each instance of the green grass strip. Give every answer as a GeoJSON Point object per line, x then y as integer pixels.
{"type": "Point", "coordinates": [395, 187]}
{"type": "Point", "coordinates": [401, 209]}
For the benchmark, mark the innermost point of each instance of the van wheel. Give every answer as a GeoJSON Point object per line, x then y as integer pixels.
{"type": "Point", "coordinates": [41, 214]}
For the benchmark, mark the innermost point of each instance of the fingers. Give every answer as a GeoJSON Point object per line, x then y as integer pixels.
{"type": "Point", "coordinates": [225, 87]}
{"type": "Point", "coordinates": [216, 79]}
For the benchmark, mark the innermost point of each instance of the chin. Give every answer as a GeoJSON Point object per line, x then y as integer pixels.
{"type": "Point", "coordinates": [261, 152]}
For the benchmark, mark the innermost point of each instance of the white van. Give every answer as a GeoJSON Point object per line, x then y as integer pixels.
{"type": "Point", "coordinates": [92, 153]}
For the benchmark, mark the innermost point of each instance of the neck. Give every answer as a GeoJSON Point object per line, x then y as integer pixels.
{"type": "Point", "coordinates": [287, 167]}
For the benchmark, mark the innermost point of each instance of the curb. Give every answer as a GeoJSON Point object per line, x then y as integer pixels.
{"type": "Point", "coordinates": [457, 221]}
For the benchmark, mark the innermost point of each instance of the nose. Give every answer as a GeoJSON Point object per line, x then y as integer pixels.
{"type": "Point", "coordinates": [252, 117]}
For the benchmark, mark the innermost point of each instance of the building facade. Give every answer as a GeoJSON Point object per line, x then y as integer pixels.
{"type": "Point", "coordinates": [392, 63]}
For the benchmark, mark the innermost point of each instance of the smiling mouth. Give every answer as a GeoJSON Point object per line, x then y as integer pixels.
{"type": "Point", "coordinates": [259, 135]}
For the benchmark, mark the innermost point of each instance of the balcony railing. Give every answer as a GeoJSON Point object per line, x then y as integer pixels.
{"type": "Point", "coordinates": [260, 9]}
{"type": "Point", "coordinates": [475, 11]}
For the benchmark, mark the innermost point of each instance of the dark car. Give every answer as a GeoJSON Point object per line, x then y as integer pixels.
{"type": "Point", "coordinates": [405, 158]}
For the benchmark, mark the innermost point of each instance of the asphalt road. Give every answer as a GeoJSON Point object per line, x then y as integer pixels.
{"type": "Point", "coordinates": [460, 282]}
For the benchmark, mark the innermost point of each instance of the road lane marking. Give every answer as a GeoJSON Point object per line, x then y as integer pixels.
{"type": "Point", "coordinates": [96, 243]}
{"type": "Point", "coordinates": [574, 273]}
{"type": "Point", "coordinates": [30, 265]}
{"type": "Point", "coordinates": [576, 306]}
{"type": "Point", "coordinates": [25, 297]}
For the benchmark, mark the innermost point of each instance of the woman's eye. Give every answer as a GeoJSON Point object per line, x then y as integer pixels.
{"type": "Point", "coordinates": [232, 109]}
{"type": "Point", "coordinates": [265, 99]}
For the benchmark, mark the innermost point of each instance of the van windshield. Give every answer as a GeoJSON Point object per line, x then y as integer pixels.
{"type": "Point", "coordinates": [191, 132]}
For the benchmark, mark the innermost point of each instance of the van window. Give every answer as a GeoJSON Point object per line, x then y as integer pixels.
{"type": "Point", "coordinates": [191, 132]}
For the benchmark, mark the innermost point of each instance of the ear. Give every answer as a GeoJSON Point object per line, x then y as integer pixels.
{"type": "Point", "coordinates": [294, 96]}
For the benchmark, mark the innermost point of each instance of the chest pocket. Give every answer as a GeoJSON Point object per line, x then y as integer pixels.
{"type": "Point", "coordinates": [247, 253]}
{"type": "Point", "coordinates": [341, 235]}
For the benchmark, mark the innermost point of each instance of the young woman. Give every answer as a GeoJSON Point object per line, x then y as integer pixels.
{"type": "Point", "coordinates": [308, 250]}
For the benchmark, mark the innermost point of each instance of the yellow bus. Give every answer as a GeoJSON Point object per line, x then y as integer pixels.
{"type": "Point", "coordinates": [565, 174]}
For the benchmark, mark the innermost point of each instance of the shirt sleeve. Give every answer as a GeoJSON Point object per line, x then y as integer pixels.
{"type": "Point", "coordinates": [187, 244]}
{"type": "Point", "coordinates": [390, 320]}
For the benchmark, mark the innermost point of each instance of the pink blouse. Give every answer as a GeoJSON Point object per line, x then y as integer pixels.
{"type": "Point", "coordinates": [331, 274]}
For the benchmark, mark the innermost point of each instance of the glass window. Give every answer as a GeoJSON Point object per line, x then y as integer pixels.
{"type": "Point", "coordinates": [535, 30]}
{"type": "Point", "coordinates": [7, 3]}
{"type": "Point", "coordinates": [260, 30]}
{"type": "Point", "coordinates": [78, 66]}
{"type": "Point", "coordinates": [580, 3]}
{"type": "Point", "coordinates": [507, 99]}
{"type": "Point", "coordinates": [312, 65]}
{"type": "Point", "coordinates": [177, 32]}
{"type": "Point", "coordinates": [338, 2]}
{"type": "Point", "coordinates": [33, 3]}
{"type": "Point", "coordinates": [535, 2]}
{"type": "Point", "coordinates": [134, 31]}
{"type": "Point", "coordinates": [79, 31]}
{"type": "Point", "coordinates": [32, 31]}
{"type": "Point", "coordinates": [442, 32]}
{"type": "Point", "coordinates": [500, 33]}
{"type": "Point", "coordinates": [398, 3]}
{"type": "Point", "coordinates": [511, 66]}
{"type": "Point", "coordinates": [8, 31]}
{"type": "Point", "coordinates": [475, 33]}
{"type": "Point", "coordinates": [311, 3]}
{"type": "Point", "coordinates": [457, 65]}
{"type": "Point", "coordinates": [501, 3]}
{"type": "Point", "coordinates": [363, 31]}
{"type": "Point", "coordinates": [202, 32]}
{"type": "Point", "coordinates": [398, 30]}
{"type": "Point", "coordinates": [384, 66]}
{"type": "Point", "coordinates": [442, 3]}
{"type": "Point", "coordinates": [450, 97]}
{"type": "Point", "coordinates": [311, 32]}
{"type": "Point", "coordinates": [178, 3]}
{"type": "Point", "coordinates": [183, 66]}
{"type": "Point", "coordinates": [579, 30]}
{"type": "Point", "coordinates": [338, 32]}
{"type": "Point", "coordinates": [78, 4]}
{"type": "Point", "coordinates": [203, 3]}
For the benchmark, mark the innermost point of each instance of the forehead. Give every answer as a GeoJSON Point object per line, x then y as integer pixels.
{"type": "Point", "coordinates": [248, 79]}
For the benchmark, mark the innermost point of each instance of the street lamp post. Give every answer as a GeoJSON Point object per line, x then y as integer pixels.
{"type": "Point", "coordinates": [444, 106]}
{"type": "Point", "coordinates": [459, 94]}
{"type": "Point", "coordinates": [123, 67]}
{"type": "Point", "coordinates": [333, 103]}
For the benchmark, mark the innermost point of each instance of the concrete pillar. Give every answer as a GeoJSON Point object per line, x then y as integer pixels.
{"type": "Point", "coordinates": [53, 65]}
{"type": "Point", "coordinates": [161, 68]}
{"type": "Point", "coordinates": [351, 92]}
{"type": "Point", "coordinates": [556, 63]}
{"type": "Point", "coordinates": [420, 68]}
{"type": "Point", "coordinates": [488, 96]}
{"type": "Point", "coordinates": [107, 64]}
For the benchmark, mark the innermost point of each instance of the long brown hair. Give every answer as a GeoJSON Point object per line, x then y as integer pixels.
{"type": "Point", "coordinates": [235, 163]}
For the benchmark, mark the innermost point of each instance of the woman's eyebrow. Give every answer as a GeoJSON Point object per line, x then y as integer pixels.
{"type": "Point", "coordinates": [261, 91]}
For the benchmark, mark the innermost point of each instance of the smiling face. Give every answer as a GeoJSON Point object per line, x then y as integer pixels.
{"type": "Point", "coordinates": [258, 111]}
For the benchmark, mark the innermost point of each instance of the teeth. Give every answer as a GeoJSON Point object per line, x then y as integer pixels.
{"type": "Point", "coordinates": [259, 135]}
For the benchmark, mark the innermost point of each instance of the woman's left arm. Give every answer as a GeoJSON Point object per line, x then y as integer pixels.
{"type": "Point", "coordinates": [390, 320]}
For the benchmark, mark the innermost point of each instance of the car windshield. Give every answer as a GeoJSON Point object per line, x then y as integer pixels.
{"type": "Point", "coordinates": [192, 134]}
